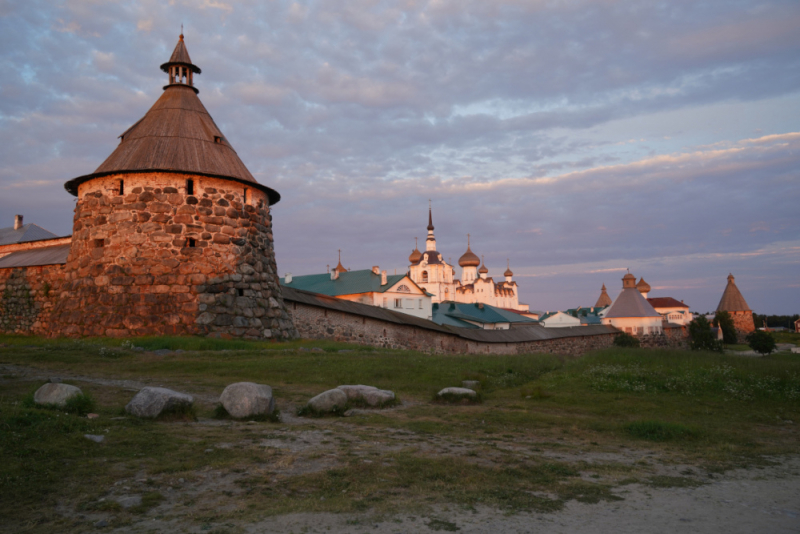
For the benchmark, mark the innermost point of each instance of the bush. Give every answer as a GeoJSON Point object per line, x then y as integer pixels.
{"type": "Point", "coordinates": [723, 320]}
{"type": "Point", "coordinates": [701, 336]}
{"type": "Point", "coordinates": [761, 342]}
{"type": "Point", "coordinates": [623, 339]}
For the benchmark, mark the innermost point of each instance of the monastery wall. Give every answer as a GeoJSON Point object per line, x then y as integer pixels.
{"type": "Point", "coordinates": [743, 322]}
{"type": "Point", "coordinates": [27, 299]}
{"type": "Point", "coordinates": [316, 322]}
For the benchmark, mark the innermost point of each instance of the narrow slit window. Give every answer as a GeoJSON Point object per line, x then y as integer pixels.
{"type": "Point", "coordinates": [218, 139]}
{"type": "Point", "coordinates": [192, 242]}
{"type": "Point", "coordinates": [241, 292]}
{"type": "Point", "coordinates": [245, 195]}
{"type": "Point", "coordinates": [122, 187]}
{"type": "Point", "coordinates": [190, 187]}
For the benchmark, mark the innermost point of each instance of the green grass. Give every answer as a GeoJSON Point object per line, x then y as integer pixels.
{"type": "Point", "coordinates": [660, 431]}
{"type": "Point", "coordinates": [706, 409]}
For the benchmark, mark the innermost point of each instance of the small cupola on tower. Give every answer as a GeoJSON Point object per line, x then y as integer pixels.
{"type": "Point", "coordinates": [628, 281]}
{"type": "Point", "coordinates": [508, 274]}
{"type": "Point", "coordinates": [483, 270]}
{"type": "Point", "coordinates": [180, 68]}
{"type": "Point", "coordinates": [469, 263]}
{"type": "Point", "coordinates": [416, 255]}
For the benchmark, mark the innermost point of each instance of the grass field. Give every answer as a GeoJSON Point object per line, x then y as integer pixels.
{"type": "Point", "coordinates": [548, 430]}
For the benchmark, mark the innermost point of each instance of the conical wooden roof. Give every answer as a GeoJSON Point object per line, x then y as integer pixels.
{"type": "Point", "coordinates": [732, 299]}
{"type": "Point", "coordinates": [604, 299]}
{"type": "Point", "coordinates": [180, 56]}
{"type": "Point", "coordinates": [176, 135]}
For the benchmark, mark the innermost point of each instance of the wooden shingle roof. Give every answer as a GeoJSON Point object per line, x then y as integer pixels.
{"type": "Point", "coordinates": [176, 135]}
{"type": "Point", "coordinates": [732, 299]}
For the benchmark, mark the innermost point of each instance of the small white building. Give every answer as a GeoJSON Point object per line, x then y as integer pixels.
{"type": "Point", "coordinates": [673, 311]}
{"type": "Point", "coordinates": [631, 313]}
{"type": "Point", "coordinates": [558, 319]}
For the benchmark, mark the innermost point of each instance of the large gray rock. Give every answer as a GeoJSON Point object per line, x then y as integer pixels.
{"type": "Point", "coordinates": [328, 401]}
{"type": "Point", "coordinates": [246, 399]}
{"type": "Point", "coordinates": [370, 395]}
{"type": "Point", "coordinates": [56, 393]}
{"type": "Point", "coordinates": [457, 392]}
{"type": "Point", "coordinates": [152, 402]}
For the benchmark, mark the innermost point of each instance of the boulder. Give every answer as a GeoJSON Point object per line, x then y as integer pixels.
{"type": "Point", "coordinates": [457, 392]}
{"type": "Point", "coordinates": [246, 399]}
{"type": "Point", "coordinates": [328, 401]}
{"type": "Point", "coordinates": [55, 393]}
{"type": "Point", "coordinates": [152, 402]}
{"type": "Point", "coordinates": [370, 395]}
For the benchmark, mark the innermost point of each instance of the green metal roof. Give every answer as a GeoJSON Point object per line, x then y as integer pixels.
{"type": "Point", "coordinates": [348, 283]}
{"type": "Point", "coordinates": [453, 313]}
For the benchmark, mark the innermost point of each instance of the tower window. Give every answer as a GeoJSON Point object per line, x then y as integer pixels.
{"type": "Point", "coordinates": [122, 187]}
{"type": "Point", "coordinates": [192, 242]}
{"type": "Point", "coordinates": [218, 139]}
{"type": "Point", "coordinates": [190, 187]}
{"type": "Point", "coordinates": [245, 195]}
{"type": "Point", "coordinates": [240, 291]}
{"type": "Point", "coordinates": [424, 276]}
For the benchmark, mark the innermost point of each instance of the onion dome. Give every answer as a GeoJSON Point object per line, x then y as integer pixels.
{"type": "Point", "coordinates": [177, 135]}
{"type": "Point", "coordinates": [416, 255]}
{"type": "Point", "coordinates": [508, 269]}
{"type": "Point", "coordinates": [469, 259]}
{"type": "Point", "coordinates": [628, 281]}
{"type": "Point", "coordinates": [483, 269]}
{"type": "Point", "coordinates": [643, 286]}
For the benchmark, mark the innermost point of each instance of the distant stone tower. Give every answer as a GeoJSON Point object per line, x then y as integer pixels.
{"type": "Point", "coordinates": [172, 234]}
{"type": "Point", "coordinates": [733, 302]}
{"type": "Point", "coordinates": [603, 299]}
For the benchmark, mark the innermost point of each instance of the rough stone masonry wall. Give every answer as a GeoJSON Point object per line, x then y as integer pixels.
{"type": "Point", "coordinates": [27, 298]}
{"type": "Point", "coordinates": [321, 323]}
{"type": "Point", "coordinates": [148, 258]}
{"type": "Point", "coordinates": [743, 322]}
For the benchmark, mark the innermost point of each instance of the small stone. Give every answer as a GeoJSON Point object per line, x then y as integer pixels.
{"type": "Point", "coordinates": [55, 393]}
{"type": "Point", "coordinates": [162, 352]}
{"type": "Point", "coordinates": [94, 437]}
{"type": "Point", "coordinates": [55, 380]}
{"type": "Point", "coordinates": [92, 416]}
{"type": "Point", "coordinates": [461, 392]}
{"type": "Point", "coordinates": [101, 524]}
{"type": "Point", "coordinates": [151, 402]}
{"type": "Point", "coordinates": [328, 401]}
{"type": "Point", "coordinates": [246, 399]}
{"type": "Point", "coordinates": [138, 349]}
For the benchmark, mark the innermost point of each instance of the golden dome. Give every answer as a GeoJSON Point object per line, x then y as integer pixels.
{"type": "Point", "coordinates": [643, 286]}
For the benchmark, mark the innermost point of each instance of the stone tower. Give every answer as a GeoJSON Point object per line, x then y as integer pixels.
{"type": "Point", "coordinates": [172, 234]}
{"type": "Point", "coordinates": [733, 302]}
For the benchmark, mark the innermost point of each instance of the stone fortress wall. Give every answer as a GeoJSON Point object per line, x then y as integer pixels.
{"type": "Point", "coordinates": [149, 258]}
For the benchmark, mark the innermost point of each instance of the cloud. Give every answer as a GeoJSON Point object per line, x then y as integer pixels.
{"type": "Point", "coordinates": [593, 134]}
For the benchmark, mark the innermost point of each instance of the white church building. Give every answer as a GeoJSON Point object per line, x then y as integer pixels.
{"type": "Point", "coordinates": [429, 271]}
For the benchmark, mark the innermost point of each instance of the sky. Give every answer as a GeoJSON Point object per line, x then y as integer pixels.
{"type": "Point", "coordinates": [575, 139]}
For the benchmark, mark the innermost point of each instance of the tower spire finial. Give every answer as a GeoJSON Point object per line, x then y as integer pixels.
{"type": "Point", "coordinates": [181, 31]}
{"type": "Point", "coordinates": [467, 240]}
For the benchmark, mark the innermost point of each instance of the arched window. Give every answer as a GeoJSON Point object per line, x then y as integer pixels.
{"type": "Point", "coordinates": [424, 276]}
{"type": "Point", "coordinates": [403, 289]}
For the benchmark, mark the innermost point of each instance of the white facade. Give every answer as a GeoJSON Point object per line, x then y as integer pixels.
{"type": "Point", "coordinates": [403, 297]}
{"type": "Point", "coordinates": [429, 271]}
{"type": "Point", "coordinates": [560, 320]}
